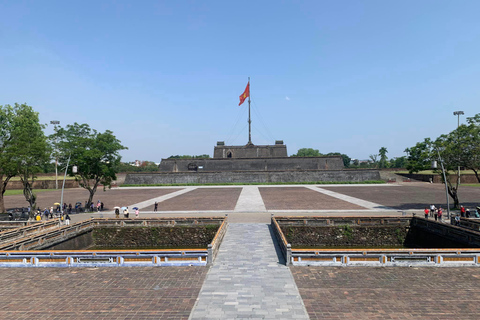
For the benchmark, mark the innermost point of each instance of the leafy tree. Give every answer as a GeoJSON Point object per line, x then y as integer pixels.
{"type": "Point", "coordinates": [466, 140]}
{"type": "Point", "coordinates": [374, 159]}
{"type": "Point", "coordinates": [398, 162]}
{"type": "Point", "coordinates": [423, 153]}
{"type": "Point", "coordinates": [95, 155]}
{"type": "Point", "coordinates": [383, 157]}
{"type": "Point", "coordinates": [307, 152]}
{"type": "Point", "coordinates": [31, 148]}
{"type": "Point", "coordinates": [145, 166]}
{"type": "Point", "coordinates": [7, 167]}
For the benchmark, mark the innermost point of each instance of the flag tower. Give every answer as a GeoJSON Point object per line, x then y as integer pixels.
{"type": "Point", "coordinates": [243, 96]}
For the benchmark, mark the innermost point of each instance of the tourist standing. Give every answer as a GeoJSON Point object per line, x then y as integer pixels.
{"type": "Point", "coordinates": [440, 212]}
{"type": "Point", "coordinates": [432, 210]}
{"type": "Point", "coordinates": [67, 220]}
{"type": "Point", "coordinates": [155, 207]}
{"type": "Point", "coordinates": [426, 212]}
{"type": "Point", "coordinates": [436, 214]}
{"type": "Point", "coordinates": [117, 213]}
{"type": "Point", "coordinates": [462, 211]}
{"type": "Point", "coordinates": [125, 212]}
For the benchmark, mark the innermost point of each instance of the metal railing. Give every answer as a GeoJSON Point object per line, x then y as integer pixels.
{"type": "Point", "coordinates": [391, 257]}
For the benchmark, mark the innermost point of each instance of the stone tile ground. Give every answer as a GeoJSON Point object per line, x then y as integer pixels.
{"type": "Point", "coordinates": [300, 198]}
{"type": "Point", "coordinates": [389, 293]}
{"type": "Point", "coordinates": [99, 293]}
{"type": "Point", "coordinates": [409, 196]}
{"type": "Point", "coordinates": [202, 199]}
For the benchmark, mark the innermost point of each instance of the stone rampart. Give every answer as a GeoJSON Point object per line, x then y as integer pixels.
{"type": "Point", "coordinates": [258, 164]}
{"type": "Point", "coordinates": [251, 177]}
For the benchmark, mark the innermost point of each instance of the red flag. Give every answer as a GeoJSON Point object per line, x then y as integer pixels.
{"type": "Point", "coordinates": [245, 94]}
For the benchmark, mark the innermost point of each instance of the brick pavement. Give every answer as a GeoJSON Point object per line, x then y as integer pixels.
{"type": "Point", "coordinates": [409, 195]}
{"type": "Point", "coordinates": [202, 199]}
{"type": "Point", "coordinates": [300, 198]}
{"type": "Point", "coordinates": [99, 293]}
{"type": "Point", "coordinates": [389, 293]}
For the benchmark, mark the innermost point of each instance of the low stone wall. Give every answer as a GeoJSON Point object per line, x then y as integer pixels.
{"type": "Point", "coordinates": [43, 184]}
{"type": "Point", "coordinates": [345, 236]}
{"type": "Point", "coordinates": [436, 178]}
{"type": "Point", "coordinates": [413, 232]}
{"type": "Point", "coordinates": [251, 177]}
{"type": "Point", "coordinates": [154, 237]}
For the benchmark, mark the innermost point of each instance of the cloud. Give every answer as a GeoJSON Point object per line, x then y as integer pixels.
{"type": "Point", "coordinates": [287, 98]}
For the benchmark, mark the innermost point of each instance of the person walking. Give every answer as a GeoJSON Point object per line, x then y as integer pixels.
{"type": "Point", "coordinates": [117, 213]}
{"type": "Point", "coordinates": [155, 207]}
{"type": "Point", "coordinates": [440, 213]}
{"type": "Point", "coordinates": [432, 210]}
{"type": "Point", "coordinates": [462, 211]}
{"type": "Point", "coordinates": [67, 220]}
{"type": "Point", "coordinates": [426, 212]}
{"type": "Point", "coordinates": [435, 214]}
{"type": "Point", "coordinates": [70, 208]}
{"type": "Point", "coordinates": [136, 213]}
{"type": "Point", "coordinates": [125, 213]}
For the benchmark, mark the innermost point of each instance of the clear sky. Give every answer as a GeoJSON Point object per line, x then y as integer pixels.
{"type": "Point", "coordinates": [165, 76]}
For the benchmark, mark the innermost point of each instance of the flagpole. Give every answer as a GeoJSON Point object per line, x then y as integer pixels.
{"type": "Point", "coordinates": [249, 119]}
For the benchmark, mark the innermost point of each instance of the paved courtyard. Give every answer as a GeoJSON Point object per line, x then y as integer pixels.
{"type": "Point", "coordinates": [239, 288]}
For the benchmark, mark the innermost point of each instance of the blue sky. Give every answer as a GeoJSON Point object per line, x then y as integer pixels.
{"type": "Point", "coordinates": [165, 76]}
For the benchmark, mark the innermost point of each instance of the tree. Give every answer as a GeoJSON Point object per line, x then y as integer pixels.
{"type": "Point", "coordinates": [383, 157]}
{"type": "Point", "coordinates": [95, 155]}
{"type": "Point", "coordinates": [7, 167]}
{"type": "Point", "coordinates": [374, 159]}
{"type": "Point", "coordinates": [31, 149]}
{"type": "Point", "coordinates": [398, 162]}
{"type": "Point", "coordinates": [467, 141]}
{"type": "Point", "coordinates": [424, 153]}
{"type": "Point", "coordinates": [307, 152]}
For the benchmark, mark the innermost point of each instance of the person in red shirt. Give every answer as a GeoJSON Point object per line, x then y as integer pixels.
{"type": "Point", "coordinates": [426, 212]}
{"type": "Point", "coordinates": [462, 211]}
{"type": "Point", "coordinates": [440, 212]}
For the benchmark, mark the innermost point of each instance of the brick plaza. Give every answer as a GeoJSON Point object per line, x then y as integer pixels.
{"type": "Point", "coordinates": [171, 292]}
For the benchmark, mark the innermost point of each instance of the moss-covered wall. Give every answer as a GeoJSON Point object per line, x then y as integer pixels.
{"type": "Point", "coordinates": [345, 236]}
{"type": "Point", "coordinates": [151, 237]}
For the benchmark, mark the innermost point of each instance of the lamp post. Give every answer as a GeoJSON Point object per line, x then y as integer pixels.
{"type": "Point", "coordinates": [55, 122]}
{"type": "Point", "coordinates": [434, 165]}
{"type": "Point", "coordinates": [74, 170]}
{"type": "Point", "coordinates": [458, 114]}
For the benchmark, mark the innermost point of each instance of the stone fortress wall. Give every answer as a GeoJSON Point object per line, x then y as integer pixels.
{"type": "Point", "coordinates": [252, 164]}
{"type": "Point", "coordinates": [252, 177]}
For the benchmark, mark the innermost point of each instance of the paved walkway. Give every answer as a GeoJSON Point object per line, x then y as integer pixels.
{"type": "Point", "coordinates": [248, 280]}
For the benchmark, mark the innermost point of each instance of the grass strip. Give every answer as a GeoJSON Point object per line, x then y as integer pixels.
{"type": "Point", "coordinates": [250, 183]}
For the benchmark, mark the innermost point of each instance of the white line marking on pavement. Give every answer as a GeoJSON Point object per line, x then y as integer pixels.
{"type": "Point", "coordinates": [250, 200]}
{"type": "Point", "coordinates": [150, 202]}
{"type": "Point", "coordinates": [358, 202]}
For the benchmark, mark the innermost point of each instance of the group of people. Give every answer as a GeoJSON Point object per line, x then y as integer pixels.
{"type": "Point", "coordinates": [47, 214]}
{"type": "Point", "coordinates": [433, 212]}
{"type": "Point", "coordinates": [126, 213]}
